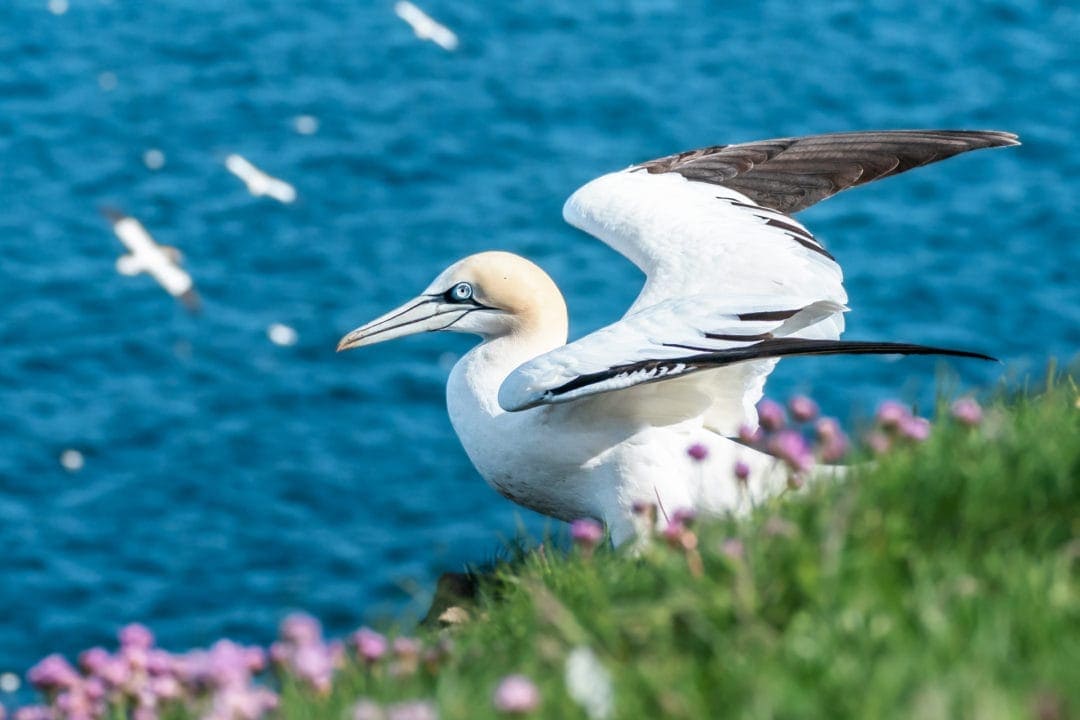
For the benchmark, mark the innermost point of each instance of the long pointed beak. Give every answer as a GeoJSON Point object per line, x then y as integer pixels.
{"type": "Point", "coordinates": [421, 314]}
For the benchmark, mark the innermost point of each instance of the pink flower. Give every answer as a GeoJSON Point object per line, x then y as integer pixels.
{"type": "Point", "coordinates": [791, 447]}
{"type": "Point", "coordinates": [967, 411]}
{"type": "Point", "coordinates": [53, 673]}
{"type": "Point", "coordinates": [771, 415]}
{"type": "Point", "coordinates": [802, 408]}
{"type": "Point", "coordinates": [300, 629]}
{"type": "Point", "coordinates": [683, 516]}
{"type": "Point", "coordinates": [370, 645]}
{"type": "Point", "coordinates": [833, 444]}
{"type": "Point", "coordinates": [742, 470]}
{"type": "Point", "coordinates": [136, 636]}
{"type": "Point", "coordinates": [698, 451]}
{"type": "Point", "coordinates": [33, 712]}
{"type": "Point", "coordinates": [749, 435]}
{"type": "Point", "coordinates": [915, 428]}
{"type": "Point", "coordinates": [313, 664]}
{"type": "Point", "coordinates": [586, 532]}
{"type": "Point", "coordinates": [516, 695]}
{"type": "Point", "coordinates": [94, 660]}
{"type": "Point", "coordinates": [891, 413]}
{"type": "Point", "coordinates": [673, 533]}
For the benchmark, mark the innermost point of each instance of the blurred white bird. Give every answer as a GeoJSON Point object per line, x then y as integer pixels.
{"type": "Point", "coordinates": [258, 182]}
{"type": "Point", "coordinates": [161, 262]}
{"type": "Point", "coordinates": [596, 427]}
{"type": "Point", "coordinates": [425, 27]}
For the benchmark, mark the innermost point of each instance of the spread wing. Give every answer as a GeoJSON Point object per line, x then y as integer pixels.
{"type": "Point", "coordinates": [710, 225]}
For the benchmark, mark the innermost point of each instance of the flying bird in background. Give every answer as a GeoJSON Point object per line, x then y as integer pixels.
{"type": "Point", "coordinates": [160, 262]}
{"type": "Point", "coordinates": [425, 27]}
{"type": "Point", "coordinates": [258, 182]}
{"type": "Point", "coordinates": [733, 283]}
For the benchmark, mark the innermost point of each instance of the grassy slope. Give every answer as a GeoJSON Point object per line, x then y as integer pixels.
{"type": "Point", "coordinates": [940, 584]}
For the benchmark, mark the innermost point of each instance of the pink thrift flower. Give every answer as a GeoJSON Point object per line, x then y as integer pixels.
{"type": "Point", "coordinates": [256, 659]}
{"type": "Point", "coordinates": [967, 411]}
{"type": "Point", "coordinates": [802, 408]}
{"type": "Point", "coordinates": [832, 443]}
{"type": "Point", "coordinates": [891, 413]}
{"type": "Point", "coordinates": [166, 688]}
{"type": "Point", "coordinates": [301, 629]}
{"type": "Point", "coordinates": [33, 712]}
{"type": "Point", "coordinates": [770, 415]}
{"type": "Point", "coordinates": [586, 532]}
{"type": "Point", "coordinates": [136, 636]}
{"type": "Point", "coordinates": [673, 533]}
{"type": "Point", "coordinates": [834, 449]}
{"type": "Point", "coordinates": [683, 516]}
{"type": "Point", "coordinates": [94, 660]}
{"type": "Point", "coordinates": [742, 470]}
{"type": "Point", "coordinates": [915, 428]}
{"type": "Point", "coordinates": [791, 447]}
{"type": "Point", "coordinates": [370, 645]}
{"type": "Point", "coordinates": [53, 673]}
{"type": "Point", "coordinates": [698, 452]}
{"type": "Point", "coordinates": [749, 435]}
{"type": "Point", "coordinates": [313, 664]}
{"type": "Point", "coordinates": [516, 695]}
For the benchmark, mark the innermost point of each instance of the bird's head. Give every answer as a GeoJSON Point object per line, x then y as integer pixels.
{"type": "Point", "coordinates": [491, 294]}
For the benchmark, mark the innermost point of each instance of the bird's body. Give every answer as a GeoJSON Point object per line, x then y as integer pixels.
{"type": "Point", "coordinates": [258, 182]}
{"type": "Point", "coordinates": [425, 27]}
{"type": "Point", "coordinates": [595, 427]}
{"type": "Point", "coordinates": [145, 255]}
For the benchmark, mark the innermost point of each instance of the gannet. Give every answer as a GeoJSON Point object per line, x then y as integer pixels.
{"type": "Point", "coordinates": [161, 262]}
{"type": "Point", "coordinates": [258, 182]}
{"type": "Point", "coordinates": [425, 27]}
{"type": "Point", "coordinates": [595, 427]}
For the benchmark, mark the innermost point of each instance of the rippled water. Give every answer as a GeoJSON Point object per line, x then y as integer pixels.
{"type": "Point", "coordinates": [228, 479]}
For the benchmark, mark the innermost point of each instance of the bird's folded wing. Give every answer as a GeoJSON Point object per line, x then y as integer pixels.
{"type": "Point", "coordinates": [678, 337]}
{"type": "Point", "coordinates": [663, 341]}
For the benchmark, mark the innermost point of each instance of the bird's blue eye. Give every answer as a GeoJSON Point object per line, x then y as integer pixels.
{"type": "Point", "coordinates": [461, 292]}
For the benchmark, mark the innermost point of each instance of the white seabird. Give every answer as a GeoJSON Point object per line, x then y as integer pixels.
{"type": "Point", "coordinates": [733, 283]}
{"type": "Point", "coordinates": [258, 182]}
{"type": "Point", "coordinates": [426, 27]}
{"type": "Point", "coordinates": [161, 262]}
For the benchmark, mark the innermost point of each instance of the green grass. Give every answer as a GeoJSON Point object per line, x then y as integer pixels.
{"type": "Point", "coordinates": [941, 583]}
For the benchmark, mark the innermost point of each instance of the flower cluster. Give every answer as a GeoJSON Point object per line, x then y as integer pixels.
{"type": "Point", "coordinates": [150, 681]}
{"type": "Point", "coordinates": [894, 423]}
{"type": "Point", "coordinates": [227, 681]}
{"type": "Point", "coordinates": [797, 436]}
{"type": "Point", "coordinates": [302, 652]}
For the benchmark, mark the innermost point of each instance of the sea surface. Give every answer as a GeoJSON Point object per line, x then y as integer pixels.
{"type": "Point", "coordinates": [228, 480]}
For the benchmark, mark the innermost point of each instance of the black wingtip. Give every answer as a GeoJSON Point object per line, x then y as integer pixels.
{"type": "Point", "coordinates": [782, 347]}
{"type": "Point", "coordinates": [112, 214]}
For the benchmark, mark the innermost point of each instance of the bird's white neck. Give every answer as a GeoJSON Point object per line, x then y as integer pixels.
{"type": "Point", "coordinates": [476, 378]}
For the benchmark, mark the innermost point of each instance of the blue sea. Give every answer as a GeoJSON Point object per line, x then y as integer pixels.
{"type": "Point", "coordinates": [229, 480]}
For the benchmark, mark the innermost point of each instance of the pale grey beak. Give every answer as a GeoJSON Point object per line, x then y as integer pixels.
{"type": "Point", "coordinates": [423, 314]}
